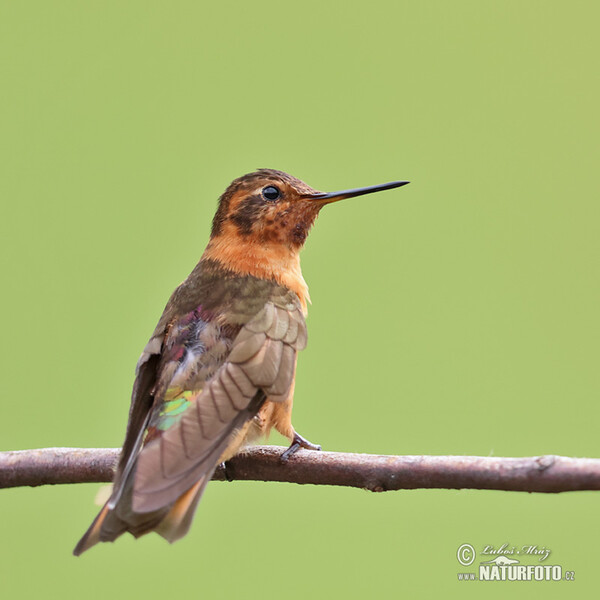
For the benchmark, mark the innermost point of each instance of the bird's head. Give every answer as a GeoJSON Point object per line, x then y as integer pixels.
{"type": "Point", "coordinates": [263, 220]}
{"type": "Point", "coordinates": [273, 208]}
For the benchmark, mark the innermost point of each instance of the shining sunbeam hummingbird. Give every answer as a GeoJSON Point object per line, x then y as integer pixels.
{"type": "Point", "coordinates": [218, 371]}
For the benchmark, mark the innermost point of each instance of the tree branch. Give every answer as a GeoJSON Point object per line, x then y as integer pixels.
{"type": "Point", "coordinates": [367, 471]}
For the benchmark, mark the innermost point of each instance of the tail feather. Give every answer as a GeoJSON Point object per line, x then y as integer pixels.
{"type": "Point", "coordinates": [114, 522]}
{"type": "Point", "coordinates": [171, 522]}
{"type": "Point", "coordinates": [178, 520]}
{"type": "Point", "coordinates": [92, 536]}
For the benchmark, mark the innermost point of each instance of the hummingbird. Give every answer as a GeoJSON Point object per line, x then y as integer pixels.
{"type": "Point", "coordinates": [218, 372]}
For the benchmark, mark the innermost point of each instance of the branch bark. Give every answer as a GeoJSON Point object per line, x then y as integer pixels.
{"type": "Point", "coordinates": [368, 471]}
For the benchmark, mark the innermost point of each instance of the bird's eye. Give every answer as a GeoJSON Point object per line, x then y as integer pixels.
{"type": "Point", "coordinates": [271, 193]}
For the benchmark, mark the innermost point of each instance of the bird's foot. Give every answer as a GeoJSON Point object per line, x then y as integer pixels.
{"type": "Point", "coordinates": [297, 443]}
{"type": "Point", "coordinates": [226, 471]}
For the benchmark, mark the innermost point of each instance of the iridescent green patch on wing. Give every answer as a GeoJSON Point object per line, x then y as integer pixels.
{"type": "Point", "coordinates": [175, 404]}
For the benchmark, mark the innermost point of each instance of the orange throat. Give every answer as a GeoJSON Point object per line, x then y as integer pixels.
{"type": "Point", "coordinates": [263, 260]}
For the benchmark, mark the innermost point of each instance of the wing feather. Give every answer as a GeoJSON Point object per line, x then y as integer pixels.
{"type": "Point", "coordinates": [246, 345]}
{"type": "Point", "coordinates": [233, 378]}
{"type": "Point", "coordinates": [262, 322]}
{"type": "Point", "coordinates": [280, 324]}
{"type": "Point", "coordinates": [259, 363]}
{"type": "Point", "coordinates": [224, 407]}
{"type": "Point", "coordinates": [279, 390]}
{"type": "Point", "coordinates": [262, 368]}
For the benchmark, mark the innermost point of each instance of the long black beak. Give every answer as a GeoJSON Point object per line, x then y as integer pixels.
{"type": "Point", "coordinates": [342, 194]}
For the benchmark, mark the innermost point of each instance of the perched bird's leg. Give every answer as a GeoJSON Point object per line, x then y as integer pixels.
{"type": "Point", "coordinates": [226, 471]}
{"type": "Point", "coordinates": [298, 442]}
{"type": "Point", "coordinates": [279, 415]}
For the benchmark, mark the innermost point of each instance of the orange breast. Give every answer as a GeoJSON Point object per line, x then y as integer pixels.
{"type": "Point", "coordinates": [247, 256]}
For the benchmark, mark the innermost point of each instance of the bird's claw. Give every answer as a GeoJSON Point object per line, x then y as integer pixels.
{"type": "Point", "coordinates": [297, 443]}
{"type": "Point", "coordinates": [226, 471]}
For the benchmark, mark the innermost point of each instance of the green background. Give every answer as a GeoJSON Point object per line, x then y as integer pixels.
{"type": "Point", "coordinates": [457, 315]}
